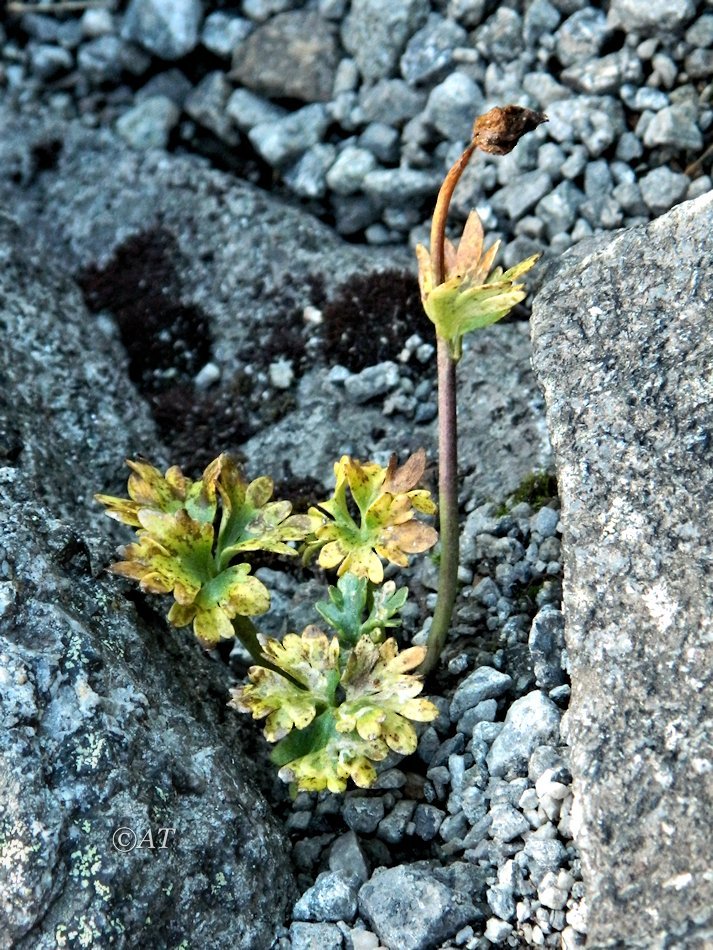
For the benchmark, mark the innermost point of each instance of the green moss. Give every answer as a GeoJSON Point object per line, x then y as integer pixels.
{"type": "Point", "coordinates": [536, 489]}
{"type": "Point", "coordinates": [533, 590]}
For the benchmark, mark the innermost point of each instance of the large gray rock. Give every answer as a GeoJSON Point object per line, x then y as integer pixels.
{"type": "Point", "coordinates": [127, 810]}
{"type": "Point", "coordinates": [623, 347]}
{"type": "Point", "coordinates": [101, 194]}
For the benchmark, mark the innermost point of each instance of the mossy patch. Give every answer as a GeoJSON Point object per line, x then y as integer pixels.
{"type": "Point", "coordinates": [536, 489]}
{"type": "Point", "coordinates": [370, 316]}
{"type": "Point", "coordinates": [166, 339]}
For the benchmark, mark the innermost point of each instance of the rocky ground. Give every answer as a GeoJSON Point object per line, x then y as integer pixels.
{"type": "Point", "coordinates": [353, 112]}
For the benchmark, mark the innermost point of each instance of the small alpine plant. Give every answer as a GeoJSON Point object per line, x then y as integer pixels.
{"type": "Point", "coordinates": [337, 697]}
{"type": "Point", "coordinates": [335, 700]}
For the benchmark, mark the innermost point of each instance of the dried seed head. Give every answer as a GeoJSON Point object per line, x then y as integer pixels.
{"type": "Point", "coordinates": [500, 129]}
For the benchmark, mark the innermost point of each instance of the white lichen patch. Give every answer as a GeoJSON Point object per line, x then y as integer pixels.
{"type": "Point", "coordinates": [73, 653]}
{"type": "Point", "coordinates": [624, 523]}
{"type": "Point", "coordinates": [7, 597]}
{"type": "Point", "coordinates": [102, 891]}
{"type": "Point", "coordinates": [662, 607]}
{"type": "Point", "coordinates": [85, 932]}
{"type": "Point", "coordinates": [219, 883]}
{"type": "Point", "coordinates": [88, 699]}
{"type": "Point", "coordinates": [679, 881]}
{"type": "Point", "coordinates": [21, 841]}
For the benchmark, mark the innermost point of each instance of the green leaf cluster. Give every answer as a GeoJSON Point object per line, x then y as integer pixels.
{"type": "Point", "coordinates": [189, 532]}
{"type": "Point", "coordinates": [344, 611]}
{"type": "Point", "coordinates": [386, 500]}
{"type": "Point", "coordinates": [347, 712]}
{"type": "Point", "coordinates": [334, 704]}
{"type": "Point", "coordinates": [472, 295]}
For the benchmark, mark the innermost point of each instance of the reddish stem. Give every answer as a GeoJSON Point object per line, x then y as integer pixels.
{"type": "Point", "coordinates": [447, 435]}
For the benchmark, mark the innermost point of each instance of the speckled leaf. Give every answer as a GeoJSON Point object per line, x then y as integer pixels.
{"type": "Point", "coordinates": [250, 522]}
{"type": "Point", "coordinates": [413, 537]}
{"type": "Point", "coordinates": [149, 489]}
{"type": "Point", "coordinates": [379, 695]}
{"type": "Point", "coordinates": [365, 481]}
{"type": "Point", "coordinates": [363, 562]}
{"type": "Point", "coordinates": [173, 553]}
{"type": "Point", "coordinates": [259, 492]}
{"type": "Point", "coordinates": [231, 593]}
{"type": "Point", "coordinates": [269, 694]}
{"type": "Point", "coordinates": [422, 501]}
{"type": "Point", "coordinates": [382, 505]}
{"type": "Point", "coordinates": [311, 658]}
{"type": "Point", "coordinates": [344, 756]}
{"type": "Point", "coordinates": [201, 497]}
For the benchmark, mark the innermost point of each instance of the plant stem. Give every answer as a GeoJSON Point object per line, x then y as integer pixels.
{"type": "Point", "coordinates": [440, 214]}
{"type": "Point", "coordinates": [447, 435]}
{"type": "Point", "coordinates": [447, 505]}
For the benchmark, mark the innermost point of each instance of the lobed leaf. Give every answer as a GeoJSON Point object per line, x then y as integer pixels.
{"type": "Point", "coordinates": [310, 658]}
{"type": "Point", "coordinates": [173, 554]}
{"type": "Point", "coordinates": [251, 522]}
{"type": "Point", "coordinates": [150, 490]}
{"type": "Point", "coordinates": [270, 695]}
{"type": "Point", "coordinates": [385, 499]}
{"type": "Point", "coordinates": [233, 592]}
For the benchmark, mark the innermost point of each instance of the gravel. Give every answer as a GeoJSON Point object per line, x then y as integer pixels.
{"type": "Point", "coordinates": [400, 85]}
{"type": "Point", "coordinates": [166, 28]}
{"type": "Point", "coordinates": [496, 803]}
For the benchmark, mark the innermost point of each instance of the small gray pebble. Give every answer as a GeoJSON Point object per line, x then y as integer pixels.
{"type": "Point", "coordinates": [363, 814]}
{"type": "Point", "coordinates": [305, 936]}
{"type": "Point", "coordinates": [482, 684]}
{"type": "Point", "coordinates": [332, 897]}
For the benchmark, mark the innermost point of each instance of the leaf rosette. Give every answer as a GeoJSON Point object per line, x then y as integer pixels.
{"type": "Point", "coordinates": [334, 726]}
{"type": "Point", "coordinates": [386, 500]}
{"type": "Point", "coordinates": [190, 531]}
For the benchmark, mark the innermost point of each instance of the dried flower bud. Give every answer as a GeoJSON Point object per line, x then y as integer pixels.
{"type": "Point", "coordinates": [500, 129]}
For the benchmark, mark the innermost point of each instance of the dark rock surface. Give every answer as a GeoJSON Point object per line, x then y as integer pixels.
{"type": "Point", "coordinates": [108, 720]}
{"type": "Point", "coordinates": [622, 346]}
